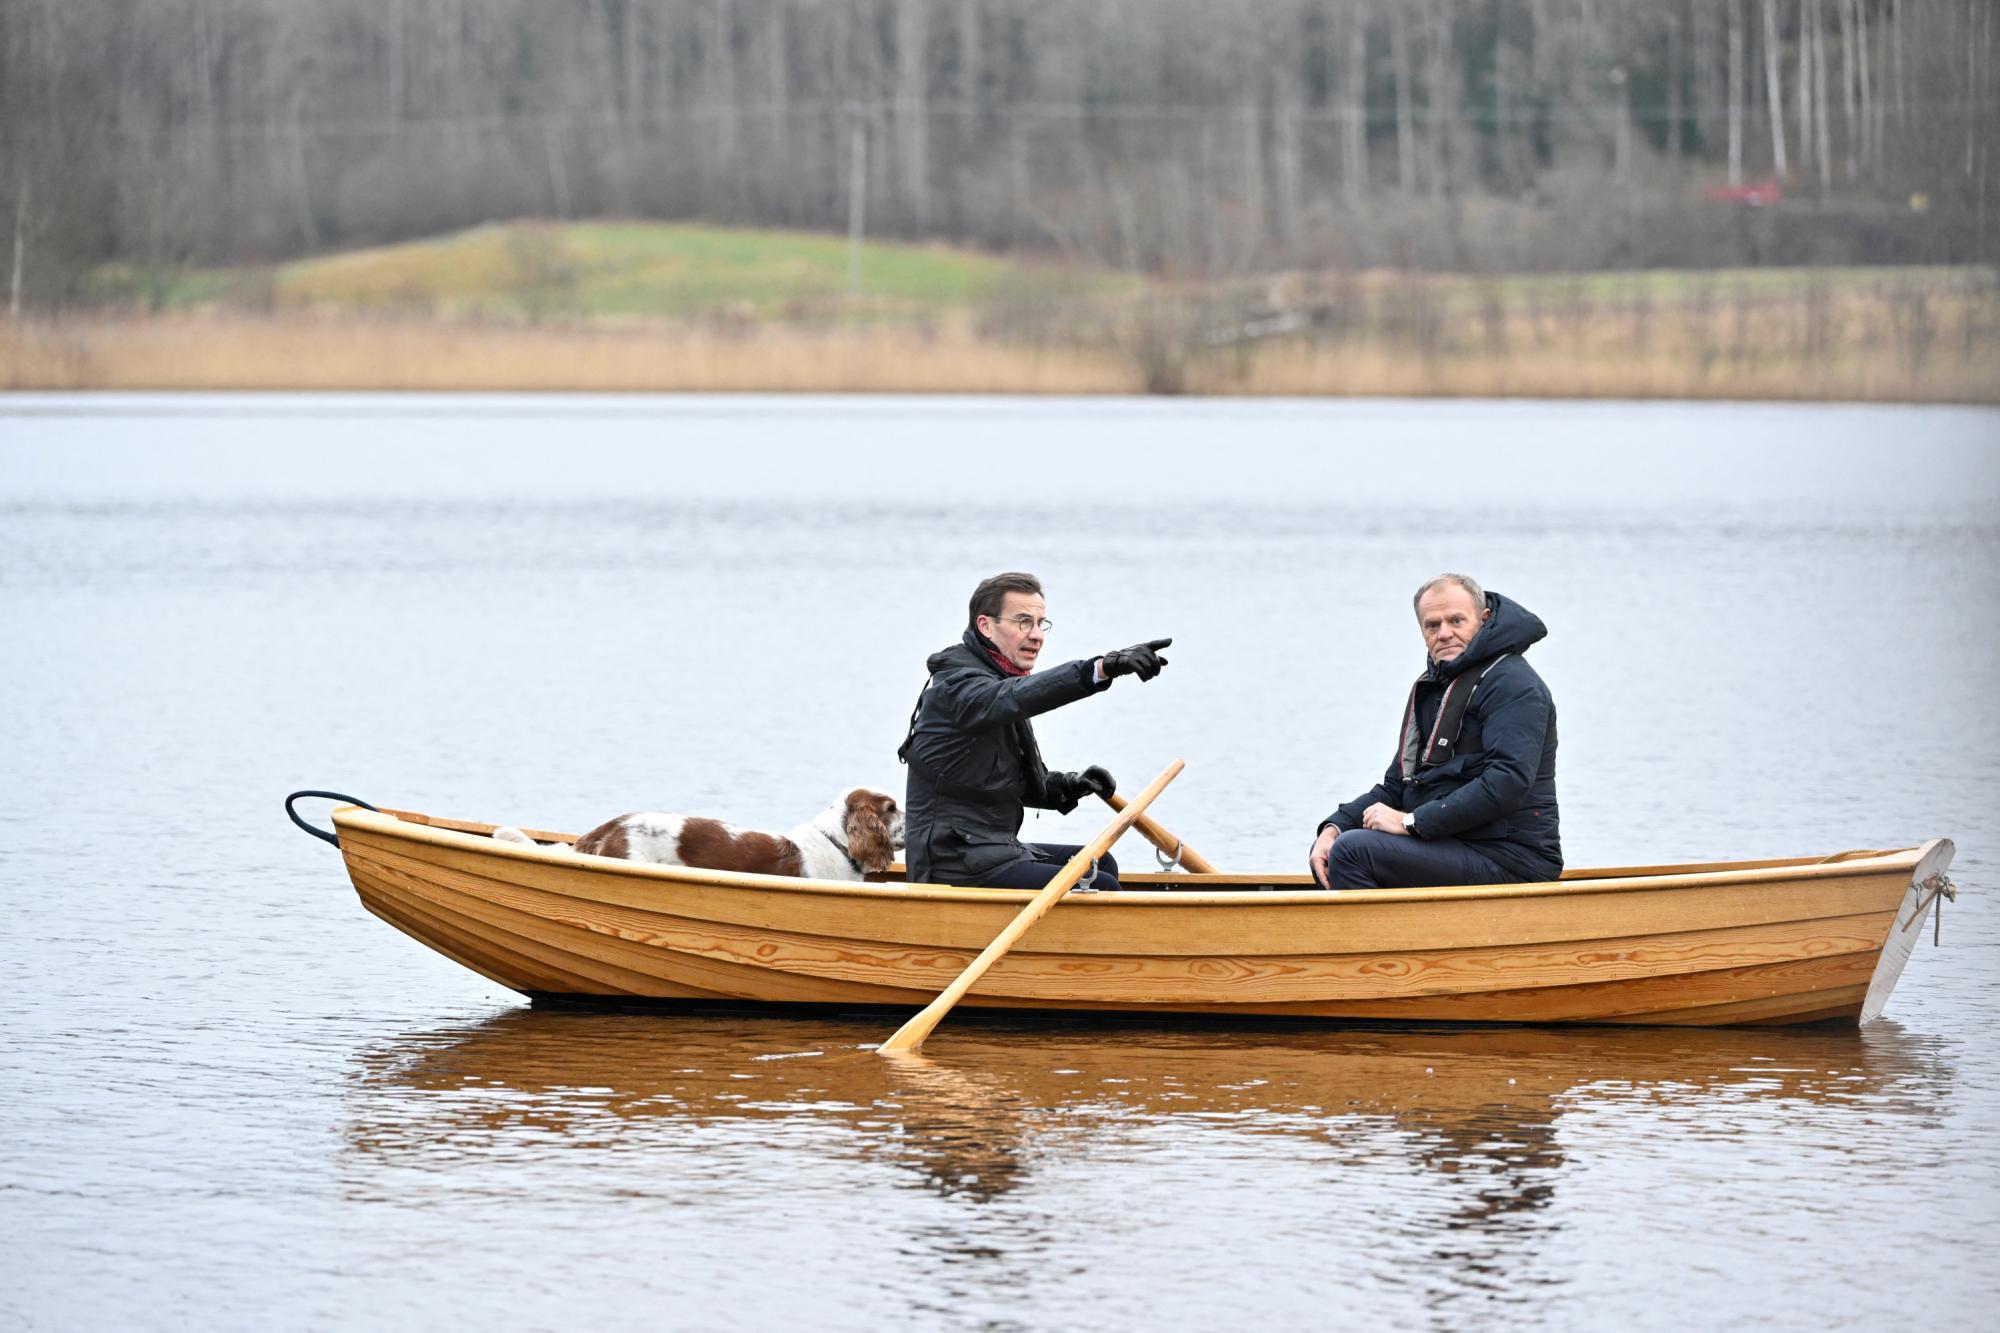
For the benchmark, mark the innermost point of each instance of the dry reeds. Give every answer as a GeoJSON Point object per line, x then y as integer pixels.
{"type": "Point", "coordinates": [248, 352]}
{"type": "Point", "coordinates": [1925, 338]}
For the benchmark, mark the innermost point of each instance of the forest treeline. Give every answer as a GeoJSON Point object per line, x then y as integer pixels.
{"type": "Point", "coordinates": [1167, 136]}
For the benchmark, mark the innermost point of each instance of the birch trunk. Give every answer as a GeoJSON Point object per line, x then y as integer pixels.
{"type": "Point", "coordinates": [1850, 113]}
{"type": "Point", "coordinates": [1870, 118]}
{"type": "Point", "coordinates": [912, 113]}
{"type": "Point", "coordinates": [786, 185]}
{"type": "Point", "coordinates": [1735, 92]}
{"type": "Point", "coordinates": [971, 76]}
{"type": "Point", "coordinates": [723, 142]}
{"type": "Point", "coordinates": [1972, 90]}
{"type": "Point", "coordinates": [19, 269]}
{"type": "Point", "coordinates": [1354, 118]}
{"type": "Point", "coordinates": [1675, 57]}
{"type": "Point", "coordinates": [1820, 117]}
{"type": "Point", "coordinates": [1406, 124]}
{"type": "Point", "coordinates": [1774, 90]}
{"type": "Point", "coordinates": [398, 23]}
{"type": "Point", "coordinates": [1805, 86]}
{"type": "Point", "coordinates": [1287, 160]}
{"type": "Point", "coordinates": [1441, 102]}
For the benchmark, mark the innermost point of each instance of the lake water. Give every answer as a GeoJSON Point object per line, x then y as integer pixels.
{"type": "Point", "coordinates": [232, 1099]}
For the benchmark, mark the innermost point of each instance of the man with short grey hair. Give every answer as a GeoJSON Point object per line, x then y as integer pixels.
{"type": "Point", "coordinates": [1470, 797]}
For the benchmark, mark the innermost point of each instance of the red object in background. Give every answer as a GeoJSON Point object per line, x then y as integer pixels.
{"type": "Point", "coordinates": [1756, 194]}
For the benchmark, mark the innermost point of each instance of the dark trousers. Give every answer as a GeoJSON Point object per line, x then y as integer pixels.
{"type": "Point", "coordinates": [1049, 859]}
{"type": "Point", "coordinates": [1365, 859]}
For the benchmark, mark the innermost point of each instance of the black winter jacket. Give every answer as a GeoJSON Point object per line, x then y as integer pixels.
{"type": "Point", "coordinates": [974, 764]}
{"type": "Point", "coordinates": [1498, 790]}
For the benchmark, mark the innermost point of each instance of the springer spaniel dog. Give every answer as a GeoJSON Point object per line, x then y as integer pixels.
{"type": "Point", "coordinates": [859, 834]}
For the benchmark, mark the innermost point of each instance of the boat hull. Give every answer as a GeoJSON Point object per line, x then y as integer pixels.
{"type": "Point", "coordinates": [1750, 943]}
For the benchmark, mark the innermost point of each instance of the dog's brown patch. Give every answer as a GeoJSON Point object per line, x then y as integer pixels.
{"type": "Point", "coordinates": [868, 842]}
{"type": "Point", "coordinates": [709, 844]}
{"type": "Point", "coordinates": [607, 839]}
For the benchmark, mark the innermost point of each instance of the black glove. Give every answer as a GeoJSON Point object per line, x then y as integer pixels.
{"type": "Point", "coordinates": [1142, 660]}
{"type": "Point", "coordinates": [1095, 779]}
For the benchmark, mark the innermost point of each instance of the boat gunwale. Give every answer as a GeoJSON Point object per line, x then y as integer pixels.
{"type": "Point", "coordinates": [394, 824]}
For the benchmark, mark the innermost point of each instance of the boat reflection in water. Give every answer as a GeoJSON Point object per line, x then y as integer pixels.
{"type": "Point", "coordinates": [1000, 1102]}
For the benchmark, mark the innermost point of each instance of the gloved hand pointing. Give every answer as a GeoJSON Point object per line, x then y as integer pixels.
{"type": "Point", "coordinates": [1142, 660]}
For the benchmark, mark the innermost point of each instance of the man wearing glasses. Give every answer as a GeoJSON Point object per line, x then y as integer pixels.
{"type": "Point", "coordinates": [974, 764]}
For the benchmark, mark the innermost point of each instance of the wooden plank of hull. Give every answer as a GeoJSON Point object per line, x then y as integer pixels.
{"type": "Point", "coordinates": [1325, 925]}
{"type": "Point", "coordinates": [601, 962]}
{"type": "Point", "coordinates": [1836, 1004]}
{"type": "Point", "coordinates": [1263, 925]}
{"type": "Point", "coordinates": [620, 952]}
{"type": "Point", "coordinates": [425, 932]}
{"type": "Point", "coordinates": [1777, 992]}
{"type": "Point", "coordinates": [1035, 974]}
{"type": "Point", "coordinates": [527, 961]}
{"type": "Point", "coordinates": [1806, 991]}
{"type": "Point", "coordinates": [1730, 947]}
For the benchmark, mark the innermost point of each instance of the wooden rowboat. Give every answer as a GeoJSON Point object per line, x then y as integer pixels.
{"type": "Point", "coordinates": [1804, 940]}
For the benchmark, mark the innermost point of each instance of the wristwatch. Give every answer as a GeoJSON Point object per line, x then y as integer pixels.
{"type": "Point", "coordinates": [1410, 824]}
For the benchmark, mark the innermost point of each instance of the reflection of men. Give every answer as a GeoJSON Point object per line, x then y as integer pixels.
{"type": "Point", "coordinates": [1470, 797]}
{"type": "Point", "coordinates": [974, 764]}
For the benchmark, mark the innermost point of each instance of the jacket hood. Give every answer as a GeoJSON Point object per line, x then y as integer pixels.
{"type": "Point", "coordinates": [1512, 628]}
{"type": "Point", "coordinates": [972, 648]}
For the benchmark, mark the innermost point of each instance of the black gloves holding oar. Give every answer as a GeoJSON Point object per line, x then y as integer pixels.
{"type": "Point", "coordinates": [1065, 790]}
{"type": "Point", "coordinates": [1142, 660]}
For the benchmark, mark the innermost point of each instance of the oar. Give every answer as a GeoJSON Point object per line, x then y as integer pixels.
{"type": "Point", "coordinates": [1168, 844]}
{"type": "Point", "coordinates": [911, 1035]}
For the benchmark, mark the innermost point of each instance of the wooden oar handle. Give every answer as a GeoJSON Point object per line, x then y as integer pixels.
{"type": "Point", "coordinates": [911, 1035]}
{"type": "Point", "coordinates": [1165, 841]}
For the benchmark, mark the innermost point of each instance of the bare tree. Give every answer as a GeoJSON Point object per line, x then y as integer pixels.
{"type": "Point", "coordinates": [1354, 106]}
{"type": "Point", "coordinates": [1406, 116]}
{"type": "Point", "coordinates": [1157, 133]}
{"type": "Point", "coordinates": [1774, 89]}
{"type": "Point", "coordinates": [1735, 92]}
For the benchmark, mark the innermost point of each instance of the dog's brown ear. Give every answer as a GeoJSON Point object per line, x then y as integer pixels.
{"type": "Point", "coordinates": [867, 836]}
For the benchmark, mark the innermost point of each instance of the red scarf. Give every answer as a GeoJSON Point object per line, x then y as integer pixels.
{"type": "Point", "coordinates": [1005, 665]}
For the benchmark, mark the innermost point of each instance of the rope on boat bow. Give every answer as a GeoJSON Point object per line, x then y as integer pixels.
{"type": "Point", "coordinates": [322, 834]}
{"type": "Point", "coordinates": [1941, 888]}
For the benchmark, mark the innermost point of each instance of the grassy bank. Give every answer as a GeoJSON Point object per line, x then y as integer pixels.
{"type": "Point", "coordinates": [597, 271]}
{"type": "Point", "coordinates": [660, 308]}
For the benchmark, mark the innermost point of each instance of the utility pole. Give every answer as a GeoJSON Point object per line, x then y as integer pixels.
{"type": "Point", "coordinates": [857, 197]}
{"type": "Point", "coordinates": [1622, 124]}
{"type": "Point", "coordinates": [20, 253]}
{"type": "Point", "coordinates": [1735, 92]}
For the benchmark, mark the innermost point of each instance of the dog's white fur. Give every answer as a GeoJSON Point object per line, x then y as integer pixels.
{"type": "Point", "coordinates": [855, 835]}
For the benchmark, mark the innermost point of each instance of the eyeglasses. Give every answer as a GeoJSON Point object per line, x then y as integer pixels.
{"type": "Point", "coordinates": [1027, 624]}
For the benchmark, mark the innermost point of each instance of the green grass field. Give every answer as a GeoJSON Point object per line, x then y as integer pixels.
{"type": "Point", "coordinates": [610, 270]}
